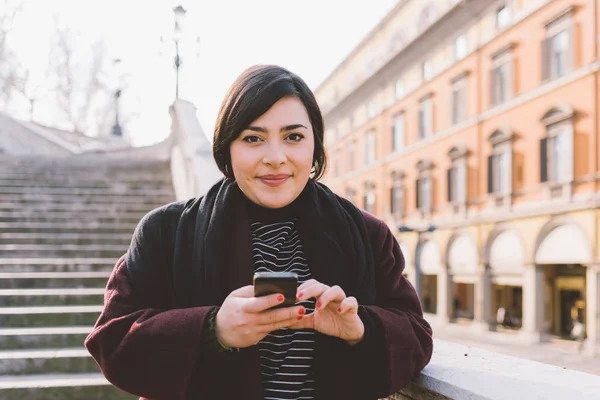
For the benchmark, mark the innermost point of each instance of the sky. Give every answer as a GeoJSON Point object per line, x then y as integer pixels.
{"type": "Point", "coordinates": [220, 39]}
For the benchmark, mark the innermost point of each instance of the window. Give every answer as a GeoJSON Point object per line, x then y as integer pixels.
{"type": "Point", "coordinates": [351, 195]}
{"type": "Point", "coordinates": [371, 109]}
{"type": "Point", "coordinates": [369, 198]}
{"type": "Point", "coordinates": [558, 48]}
{"type": "Point", "coordinates": [503, 17]}
{"type": "Point", "coordinates": [397, 196]}
{"type": "Point", "coordinates": [500, 163]}
{"type": "Point", "coordinates": [426, 118]}
{"type": "Point", "coordinates": [556, 149]}
{"type": "Point", "coordinates": [398, 129]}
{"type": "Point", "coordinates": [427, 70]}
{"type": "Point", "coordinates": [335, 155]}
{"type": "Point", "coordinates": [457, 176]}
{"type": "Point", "coordinates": [501, 78]}
{"type": "Point", "coordinates": [424, 187]}
{"type": "Point", "coordinates": [399, 89]}
{"type": "Point", "coordinates": [351, 155]}
{"type": "Point", "coordinates": [370, 148]}
{"type": "Point", "coordinates": [460, 47]}
{"type": "Point", "coordinates": [459, 99]}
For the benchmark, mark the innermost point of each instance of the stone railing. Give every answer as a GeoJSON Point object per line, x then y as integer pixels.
{"type": "Point", "coordinates": [192, 165]}
{"type": "Point", "coordinates": [461, 372]}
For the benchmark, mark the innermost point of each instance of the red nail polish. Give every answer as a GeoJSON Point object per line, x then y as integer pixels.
{"type": "Point", "coordinates": [301, 311]}
{"type": "Point", "coordinates": [318, 304]}
{"type": "Point", "coordinates": [280, 298]}
{"type": "Point", "coordinates": [339, 310]}
{"type": "Point", "coordinates": [300, 295]}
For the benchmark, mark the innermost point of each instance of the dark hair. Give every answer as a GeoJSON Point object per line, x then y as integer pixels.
{"type": "Point", "coordinates": [252, 94]}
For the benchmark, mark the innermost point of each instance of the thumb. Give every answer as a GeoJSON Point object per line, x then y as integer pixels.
{"type": "Point", "coordinates": [243, 292]}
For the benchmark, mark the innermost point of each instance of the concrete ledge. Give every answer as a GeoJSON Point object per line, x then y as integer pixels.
{"type": "Point", "coordinates": [461, 372]}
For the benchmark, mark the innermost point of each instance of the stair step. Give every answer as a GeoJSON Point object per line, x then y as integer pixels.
{"type": "Point", "coordinates": [45, 206]}
{"type": "Point", "coordinates": [29, 317]}
{"type": "Point", "coordinates": [84, 218]}
{"type": "Point", "coordinates": [42, 198]}
{"type": "Point", "coordinates": [84, 191]}
{"type": "Point", "coordinates": [53, 280]}
{"type": "Point", "coordinates": [43, 338]}
{"type": "Point", "coordinates": [57, 264]}
{"type": "Point", "coordinates": [36, 361]}
{"type": "Point", "coordinates": [51, 380]}
{"type": "Point", "coordinates": [63, 239]}
{"type": "Point", "coordinates": [51, 297]}
{"type": "Point", "coordinates": [28, 227]}
{"type": "Point", "coordinates": [83, 183]}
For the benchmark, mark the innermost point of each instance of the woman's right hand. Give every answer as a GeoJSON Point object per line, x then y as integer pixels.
{"type": "Point", "coordinates": [244, 320]}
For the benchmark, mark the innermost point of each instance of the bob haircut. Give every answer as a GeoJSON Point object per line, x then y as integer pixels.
{"type": "Point", "coordinates": [252, 94]}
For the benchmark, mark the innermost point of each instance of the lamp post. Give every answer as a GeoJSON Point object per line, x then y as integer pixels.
{"type": "Point", "coordinates": [429, 229]}
{"type": "Point", "coordinates": [179, 13]}
{"type": "Point", "coordinates": [117, 130]}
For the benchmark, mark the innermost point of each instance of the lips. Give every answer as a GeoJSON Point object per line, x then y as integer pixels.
{"type": "Point", "coordinates": [273, 180]}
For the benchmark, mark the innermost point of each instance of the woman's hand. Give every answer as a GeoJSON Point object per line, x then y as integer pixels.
{"type": "Point", "coordinates": [334, 315]}
{"type": "Point", "coordinates": [243, 320]}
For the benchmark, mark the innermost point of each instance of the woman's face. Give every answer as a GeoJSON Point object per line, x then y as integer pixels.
{"type": "Point", "coordinates": [272, 158]}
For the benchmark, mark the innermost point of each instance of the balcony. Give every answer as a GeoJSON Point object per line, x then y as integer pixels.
{"type": "Point", "coordinates": [462, 372]}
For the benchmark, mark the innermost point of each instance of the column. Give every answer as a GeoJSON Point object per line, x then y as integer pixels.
{"type": "Point", "coordinates": [533, 303]}
{"type": "Point", "coordinates": [592, 306]}
{"type": "Point", "coordinates": [443, 296]}
{"type": "Point", "coordinates": [483, 299]}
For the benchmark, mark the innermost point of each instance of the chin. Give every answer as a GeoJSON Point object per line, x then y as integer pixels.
{"type": "Point", "coordinates": [278, 202]}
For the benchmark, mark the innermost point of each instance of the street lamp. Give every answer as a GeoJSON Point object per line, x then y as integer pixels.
{"type": "Point", "coordinates": [117, 130]}
{"type": "Point", "coordinates": [429, 229]}
{"type": "Point", "coordinates": [179, 13]}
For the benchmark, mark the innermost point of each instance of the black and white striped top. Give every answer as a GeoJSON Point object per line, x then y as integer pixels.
{"type": "Point", "coordinates": [286, 355]}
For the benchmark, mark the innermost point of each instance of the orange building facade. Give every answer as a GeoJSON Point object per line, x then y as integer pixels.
{"type": "Point", "coordinates": [471, 127]}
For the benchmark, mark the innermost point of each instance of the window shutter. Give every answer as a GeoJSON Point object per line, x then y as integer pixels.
{"type": "Point", "coordinates": [449, 183]}
{"type": "Point", "coordinates": [544, 160]}
{"type": "Point", "coordinates": [392, 201]}
{"type": "Point", "coordinates": [491, 174]}
{"type": "Point", "coordinates": [493, 95]}
{"type": "Point", "coordinates": [546, 43]}
{"type": "Point", "coordinates": [571, 61]}
{"type": "Point", "coordinates": [418, 193]}
{"type": "Point", "coordinates": [394, 145]}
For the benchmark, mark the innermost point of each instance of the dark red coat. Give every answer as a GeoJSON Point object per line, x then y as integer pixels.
{"type": "Point", "coordinates": [145, 347]}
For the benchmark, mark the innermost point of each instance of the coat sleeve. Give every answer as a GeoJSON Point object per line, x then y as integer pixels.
{"type": "Point", "coordinates": [398, 341]}
{"type": "Point", "coordinates": [141, 345]}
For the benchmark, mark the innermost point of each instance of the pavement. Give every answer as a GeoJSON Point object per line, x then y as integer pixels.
{"type": "Point", "coordinates": [561, 353]}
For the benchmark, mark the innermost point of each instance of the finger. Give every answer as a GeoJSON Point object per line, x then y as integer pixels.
{"type": "Point", "coordinates": [348, 306]}
{"type": "Point", "coordinates": [244, 291]}
{"type": "Point", "coordinates": [284, 323]}
{"type": "Point", "coordinates": [306, 322]}
{"type": "Point", "coordinates": [274, 316]}
{"type": "Point", "coordinates": [262, 303]}
{"type": "Point", "coordinates": [334, 293]}
{"type": "Point", "coordinates": [314, 290]}
{"type": "Point", "coordinates": [308, 283]}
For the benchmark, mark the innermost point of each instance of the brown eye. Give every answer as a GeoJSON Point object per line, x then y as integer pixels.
{"type": "Point", "coordinates": [251, 139]}
{"type": "Point", "coordinates": [296, 137]}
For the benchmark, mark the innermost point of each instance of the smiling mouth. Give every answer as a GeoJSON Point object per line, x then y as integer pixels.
{"type": "Point", "coordinates": [274, 180]}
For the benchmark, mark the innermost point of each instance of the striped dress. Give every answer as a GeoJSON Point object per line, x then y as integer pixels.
{"type": "Point", "coordinates": [286, 355]}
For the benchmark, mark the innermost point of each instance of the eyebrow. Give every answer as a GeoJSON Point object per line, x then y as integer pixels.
{"type": "Point", "coordinates": [284, 129]}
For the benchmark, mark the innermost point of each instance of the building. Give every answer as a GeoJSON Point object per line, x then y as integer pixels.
{"type": "Point", "coordinates": [471, 127]}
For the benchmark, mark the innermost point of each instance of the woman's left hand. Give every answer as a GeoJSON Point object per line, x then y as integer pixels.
{"type": "Point", "coordinates": [334, 315]}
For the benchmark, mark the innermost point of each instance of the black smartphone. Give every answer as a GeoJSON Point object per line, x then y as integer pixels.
{"type": "Point", "coordinates": [286, 283]}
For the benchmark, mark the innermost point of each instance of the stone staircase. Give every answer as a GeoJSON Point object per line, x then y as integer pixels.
{"type": "Point", "coordinates": [63, 224]}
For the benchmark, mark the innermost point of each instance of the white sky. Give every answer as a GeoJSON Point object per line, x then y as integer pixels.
{"type": "Point", "coordinates": [309, 37]}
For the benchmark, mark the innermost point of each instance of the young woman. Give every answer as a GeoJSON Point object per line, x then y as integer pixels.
{"type": "Point", "coordinates": [180, 319]}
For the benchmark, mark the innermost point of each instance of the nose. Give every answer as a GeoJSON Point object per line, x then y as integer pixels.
{"type": "Point", "coordinates": [275, 155]}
